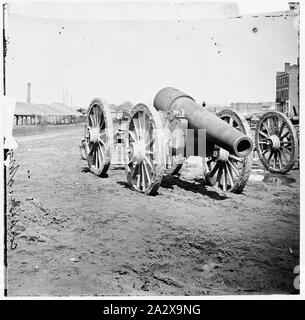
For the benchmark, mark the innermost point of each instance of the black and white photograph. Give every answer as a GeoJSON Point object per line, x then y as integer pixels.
{"type": "Point", "coordinates": [151, 149]}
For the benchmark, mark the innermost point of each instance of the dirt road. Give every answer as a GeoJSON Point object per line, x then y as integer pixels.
{"type": "Point", "coordinates": [78, 234]}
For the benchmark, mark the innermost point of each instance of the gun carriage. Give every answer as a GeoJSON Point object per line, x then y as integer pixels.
{"type": "Point", "coordinates": [157, 140]}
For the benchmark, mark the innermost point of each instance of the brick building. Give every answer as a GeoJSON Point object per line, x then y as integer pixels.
{"type": "Point", "coordinates": [287, 90]}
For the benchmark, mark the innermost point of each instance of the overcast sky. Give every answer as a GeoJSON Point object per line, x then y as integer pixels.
{"type": "Point", "coordinates": [217, 60]}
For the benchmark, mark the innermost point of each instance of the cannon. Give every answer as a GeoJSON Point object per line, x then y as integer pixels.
{"type": "Point", "coordinates": [157, 139]}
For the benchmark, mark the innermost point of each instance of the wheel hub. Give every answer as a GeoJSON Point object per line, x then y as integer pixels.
{"type": "Point", "coordinates": [275, 142]}
{"type": "Point", "coordinates": [94, 135]}
{"type": "Point", "coordinates": [139, 150]}
{"type": "Point", "coordinates": [223, 155]}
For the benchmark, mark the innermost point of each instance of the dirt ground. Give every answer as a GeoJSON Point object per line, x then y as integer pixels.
{"type": "Point", "coordinates": [77, 234]}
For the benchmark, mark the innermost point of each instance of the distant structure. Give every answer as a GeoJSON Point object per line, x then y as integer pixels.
{"type": "Point", "coordinates": [293, 6]}
{"type": "Point", "coordinates": [252, 107]}
{"type": "Point", "coordinates": [121, 112]}
{"type": "Point", "coordinates": [37, 113]}
{"type": "Point", "coordinates": [214, 107]}
{"type": "Point", "coordinates": [28, 96]}
{"type": "Point", "coordinates": [287, 90]}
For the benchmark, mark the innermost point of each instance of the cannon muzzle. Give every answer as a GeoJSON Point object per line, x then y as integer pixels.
{"type": "Point", "coordinates": [217, 131]}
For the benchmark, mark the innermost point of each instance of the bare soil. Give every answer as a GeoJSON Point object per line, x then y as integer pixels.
{"type": "Point", "coordinates": [79, 234]}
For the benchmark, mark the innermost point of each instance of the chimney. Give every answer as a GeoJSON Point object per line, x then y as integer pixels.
{"type": "Point", "coordinates": [287, 65]}
{"type": "Point", "coordinates": [28, 97]}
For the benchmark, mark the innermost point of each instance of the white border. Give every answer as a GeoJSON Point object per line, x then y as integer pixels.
{"type": "Point", "coordinates": [245, 7]}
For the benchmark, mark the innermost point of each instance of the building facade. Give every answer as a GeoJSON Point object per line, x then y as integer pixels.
{"type": "Point", "coordinates": [287, 90]}
{"type": "Point", "coordinates": [38, 113]}
{"type": "Point", "coordinates": [252, 107]}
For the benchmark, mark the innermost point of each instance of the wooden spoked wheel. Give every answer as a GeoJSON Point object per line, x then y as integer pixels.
{"type": "Point", "coordinates": [98, 137]}
{"type": "Point", "coordinates": [144, 150]}
{"type": "Point", "coordinates": [276, 142]}
{"type": "Point", "coordinates": [225, 170]}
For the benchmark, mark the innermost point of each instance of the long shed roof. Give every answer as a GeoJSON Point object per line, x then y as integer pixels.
{"type": "Point", "coordinates": [23, 108]}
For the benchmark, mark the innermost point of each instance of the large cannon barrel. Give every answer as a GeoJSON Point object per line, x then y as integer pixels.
{"type": "Point", "coordinates": [217, 131]}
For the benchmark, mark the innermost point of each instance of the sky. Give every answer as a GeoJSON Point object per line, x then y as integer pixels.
{"type": "Point", "coordinates": [76, 57]}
